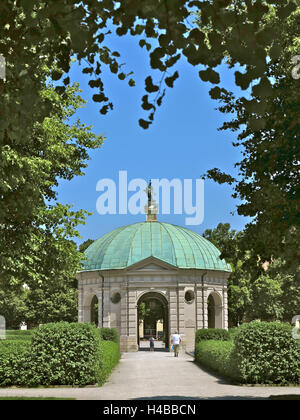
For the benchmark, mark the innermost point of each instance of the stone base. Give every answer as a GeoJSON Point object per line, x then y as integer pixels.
{"type": "Point", "coordinates": [128, 343]}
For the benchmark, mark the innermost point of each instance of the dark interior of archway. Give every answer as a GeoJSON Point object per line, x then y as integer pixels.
{"type": "Point", "coordinates": [211, 313]}
{"type": "Point", "coordinates": [152, 308]}
{"type": "Point", "coordinates": [94, 311]}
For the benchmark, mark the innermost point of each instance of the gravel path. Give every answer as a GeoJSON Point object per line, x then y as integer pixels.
{"type": "Point", "coordinates": [157, 375]}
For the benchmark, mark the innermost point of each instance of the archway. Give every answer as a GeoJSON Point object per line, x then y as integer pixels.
{"type": "Point", "coordinates": [214, 311]}
{"type": "Point", "coordinates": [152, 319]}
{"type": "Point", "coordinates": [94, 310]}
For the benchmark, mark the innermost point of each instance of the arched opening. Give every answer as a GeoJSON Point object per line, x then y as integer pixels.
{"type": "Point", "coordinates": [214, 311]}
{"type": "Point", "coordinates": [94, 310]}
{"type": "Point", "coordinates": [153, 320]}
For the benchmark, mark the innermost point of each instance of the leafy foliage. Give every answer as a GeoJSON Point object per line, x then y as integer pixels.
{"type": "Point", "coordinates": [211, 334]}
{"type": "Point", "coordinates": [267, 127]}
{"type": "Point", "coordinates": [85, 245]}
{"type": "Point", "coordinates": [16, 365]}
{"type": "Point", "coordinates": [34, 234]}
{"type": "Point", "coordinates": [110, 334]}
{"type": "Point", "coordinates": [165, 32]}
{"type": "Point", "coordinates": [261, 353]}
{"type": "Point", "coordinates": [150, 311]}
{"type": "Point", "coordinates": [67, 354]}
{"type": "Point", "coordinates": [217, 356]}
{"type": "Point", "coordinates": [265, 352]}
{"type": "Point", "coordinates": [38, 258]}
{"type": "Point", "coordinates": [110, 358]}
{"type": "Point", "coordinates": [255, 291]}
{"type": "Point", "coordinates": [58, 354]}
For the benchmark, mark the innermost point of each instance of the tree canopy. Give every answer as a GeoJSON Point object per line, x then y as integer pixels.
{"type": "Point", "coordinates": [38, 258]}
{"type": "Point", "coordinates": [266, 291]}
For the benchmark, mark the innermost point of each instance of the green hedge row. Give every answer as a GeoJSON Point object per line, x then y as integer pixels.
{"type": "Point", "coordinates": [110, 334]}
{"type": "Point", "coordinates": [261, 353]}
{"type": "Point", "coordinates": [58, 354]}
{"type": "Point", "coordinates": [16, 365]}
{"type": "Point", "coordinates": [110, 358]}
{"type": "Point", "coordinates": [212, 334]}
{"type": "Point", "coordinates": [267, 353]}
{"type": "Point", "coordinates": [217, 356]}
{"type": "Point", "coordinates": [67, 353]}
{"type": "Point", "coordinates": [12, 346]}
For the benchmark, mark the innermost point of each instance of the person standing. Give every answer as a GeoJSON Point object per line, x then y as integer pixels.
{"type": "Point", "coordinates": [176, 340]}
{"type": "Point", "coordinates": [151, 339]}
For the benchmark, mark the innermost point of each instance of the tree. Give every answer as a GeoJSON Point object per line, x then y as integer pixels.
{"type": "Point", "coordinates": [43, 287]}
{"type": "Point", "coordinates": [266, 293]}
{"type": "Point", "coordinates": [263, 292]}
{"type": "Point", "coordinates": [290, 284]}
{"type": "Point", "coordinates": [150, 311]}
{"type": "Point", "coordinates": [39, 252]}
{"type": "Point", "coordinates": [239, 295]}
{"type": "Point", "coordinates": [12, 307]}
{"type": "Point", "coordinates": [268, 133]}
{"type": "Point", "coordinates": [226, 240]}
{"type": "Point", "coordinates": [85, 245]}
{"type": "Point", "coordinates": [57, 31]}
{"type": "Point", "coordinates": [59, 152]}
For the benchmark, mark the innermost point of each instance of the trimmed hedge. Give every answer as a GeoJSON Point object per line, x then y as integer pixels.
{"type": "Point", "coordinates": [59, 354]}
{"type": "Point", "coordinates": [16, 365]}
{"type": "Point", "coordinates": [67, 354]}
{"type": "Point", "coordinates": [110, 358]}
{"type": "Point", "coordinates": [110, 334]}
{"type": "Point", "coordinates": [13, 346]}
{"type": "Point", "coordinates": [261, 353]}
{"type": "Point", "coordinates": [266, 352]}
{"type": "Point", "coordinates": [218, 357]}
{"type": "Point", "coordinates": [211, 334]}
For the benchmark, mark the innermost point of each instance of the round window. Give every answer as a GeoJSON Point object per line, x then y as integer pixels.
{"type": "Point", "coordinates": [116, 297]}
{"type": "Point", "coordinates": [189, 296]}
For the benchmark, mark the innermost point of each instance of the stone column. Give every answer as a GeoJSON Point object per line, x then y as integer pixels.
{"type": "Point", "coordinates": [80, 303]}
{"type": "Point", "coordinates": [106, 306]}
{"type": "Point", "coordinates": [173, 321]}
{"type": "Point", "coordinates": [100, 307]}
{"type": "Point", "coordinates": [132, 321]}
{"type": "Point", "coordinates": [124, 332]}
{"type": "Point", "coordinates": [200, 309]}
{"type": "Point", "coordinates": [225, 308]}
{"type": "Point", "coordinates": [205, 312]}
{"type": "Point", "coordinates": [180, 306]}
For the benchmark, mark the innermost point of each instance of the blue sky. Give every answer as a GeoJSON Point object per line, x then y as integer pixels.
{"type": "Point", "coordinates": [183, 142]}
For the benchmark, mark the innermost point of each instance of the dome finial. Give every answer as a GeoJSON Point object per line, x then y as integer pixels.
{"type": "Point", "coordinates": [151, 209]}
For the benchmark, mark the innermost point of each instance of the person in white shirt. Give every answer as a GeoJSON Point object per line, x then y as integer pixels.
{"type": "Point", "coordinates": [176, 340]}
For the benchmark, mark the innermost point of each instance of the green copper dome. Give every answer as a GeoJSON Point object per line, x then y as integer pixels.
{"type": "Point", "coordinates": [175, 245]}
